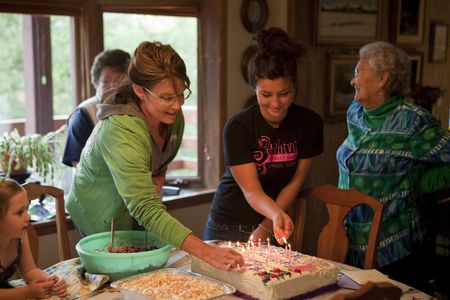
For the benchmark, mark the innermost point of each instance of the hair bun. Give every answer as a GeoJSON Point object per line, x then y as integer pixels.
{"type": "Point", "coordinates": [275, 41]}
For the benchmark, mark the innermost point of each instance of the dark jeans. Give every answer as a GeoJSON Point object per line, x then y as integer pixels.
{"type": "Point", "coordinates": [227, 232]}
{"type": "Point", "coordinates": [79, 232]}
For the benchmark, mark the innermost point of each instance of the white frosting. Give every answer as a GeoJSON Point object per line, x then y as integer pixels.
{"type": "Point", "coordinates": [302, 273]}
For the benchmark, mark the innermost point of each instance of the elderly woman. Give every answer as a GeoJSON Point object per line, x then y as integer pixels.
{"type": "Point", "coordinates": [393, 149]}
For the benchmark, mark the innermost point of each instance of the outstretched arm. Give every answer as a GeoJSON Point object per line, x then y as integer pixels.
{"type": "Point", "coordinates": [40, 284]}
{"type": "Point", "coordinates": [222, 258]}
{"type": "Point", "coordinates": [286, 197]}
{"type": "Point", "coordinates": [247, 178]}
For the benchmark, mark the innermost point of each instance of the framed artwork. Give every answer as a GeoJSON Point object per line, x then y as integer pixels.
{"type": "Point", "coordinates": [410, 21]}
{"type": "Point", "coordinates": [340, 92]}
{"type": "Point", "coordinates": [254, 14]}
{"type": "Point", "coordinates": [347, 21]}
{"type": "Point", "coordinates": [438, 41]}
{"type": "Point", "coordinates": [416, 69]}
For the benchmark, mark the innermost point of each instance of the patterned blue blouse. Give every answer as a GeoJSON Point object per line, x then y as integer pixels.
{"type": "Point", "coordinates": [389, 153]}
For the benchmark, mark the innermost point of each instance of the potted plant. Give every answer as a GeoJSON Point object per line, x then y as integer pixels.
{"type": "Point", "coordinates": [35, 151]}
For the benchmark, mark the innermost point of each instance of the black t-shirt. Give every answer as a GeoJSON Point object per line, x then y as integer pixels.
{"type": "Point", "coordinates": [275, 152]}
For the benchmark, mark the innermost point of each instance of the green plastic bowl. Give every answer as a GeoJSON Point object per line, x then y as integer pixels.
{"type": "Point", "coordinates": [94, 255]}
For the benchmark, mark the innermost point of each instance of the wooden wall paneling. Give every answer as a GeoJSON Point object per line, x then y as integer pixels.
{"type": "Point", "coordinates": [214, 98]}
{"type": "Point", "coordinates": [437, 74]}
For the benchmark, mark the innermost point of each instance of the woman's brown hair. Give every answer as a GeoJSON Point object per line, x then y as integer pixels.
{"type": "Point", "coordinates": [276, 55]}
{"type": "Point", "coordinates": [151, 63]}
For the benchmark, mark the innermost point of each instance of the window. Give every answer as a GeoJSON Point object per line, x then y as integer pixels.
{"type": "Point", "coordinates": [36, 93]}
{"type": "Point", "coordinates": [86, 33]}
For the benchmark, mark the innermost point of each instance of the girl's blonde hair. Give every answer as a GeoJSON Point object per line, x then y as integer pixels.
{"type": "Point", "coordinates": [8, 189]}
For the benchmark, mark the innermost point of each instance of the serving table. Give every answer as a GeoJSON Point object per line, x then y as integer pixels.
{"type": "Point", "coordinates": [181, 260]}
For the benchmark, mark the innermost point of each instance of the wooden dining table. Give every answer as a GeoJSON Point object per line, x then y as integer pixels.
{"type": "Point", "coordinates": [181, 260]}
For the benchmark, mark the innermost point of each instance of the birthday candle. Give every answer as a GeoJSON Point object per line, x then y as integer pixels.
{"type": "Point", "coordinates": [289, 253]}
{"type": "Point", "coordinates": [259, 242]}
{"type": "Point", "coordinates": [229, 244]}
{"type": "Point", "coordinates": [253, 249]}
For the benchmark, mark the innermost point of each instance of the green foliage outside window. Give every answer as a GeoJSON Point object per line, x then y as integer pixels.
{"type": "Point", "coordinates": [12, 83]}
{"type": "Point", "coordinates": [12, 77]}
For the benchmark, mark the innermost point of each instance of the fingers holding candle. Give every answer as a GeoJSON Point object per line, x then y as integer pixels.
{"type": "Point", "coordinates": [283, 227]}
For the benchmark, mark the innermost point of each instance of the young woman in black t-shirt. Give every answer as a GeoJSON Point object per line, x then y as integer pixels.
{"type": "Point", "coordinates": [268, 148]}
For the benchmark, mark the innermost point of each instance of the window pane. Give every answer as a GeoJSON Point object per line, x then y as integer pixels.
{"type": "Point", "coordinates": [12, 70]}
{"type": "Point", "coordinates": [62, 89]}
{"type": "Point", "coordinates": [126, 31]}
{"type": "Point", "coordinates": [12, 83]}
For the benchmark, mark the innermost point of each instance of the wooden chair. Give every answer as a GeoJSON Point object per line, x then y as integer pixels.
{"type": "Point", "coordinates": [34, 191]}
{"type": "Point", "coordinates": [373, 291]}
{"type": "Point", "coordinates": [333, 241]}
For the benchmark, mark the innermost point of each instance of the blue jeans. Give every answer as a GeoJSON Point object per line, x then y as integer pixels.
{"type": "Point", "coordinates": [227, 232]}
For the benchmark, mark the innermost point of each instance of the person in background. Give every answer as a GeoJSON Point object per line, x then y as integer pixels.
{"type": "Point", "coordinates": [393, 149]}
{"type": "Point", "coordinates": [139, 133]}
{"type": "Point", "coordinates": [15, 252]}
{"type": "Point", "coordinates": [268, 147]}
{"type": "Point", "coordinates": [107, 71]}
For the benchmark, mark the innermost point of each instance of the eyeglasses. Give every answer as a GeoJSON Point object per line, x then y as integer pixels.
{"type": "Point", "coordinates": [169, 100]}
{"type": "Point", "coordinates": [358, 71]}
{"type": "Point", "coordinates": [111, 81]}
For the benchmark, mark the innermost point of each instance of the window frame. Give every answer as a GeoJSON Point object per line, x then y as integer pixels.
{"type": "Point", "coordinates": [88, 41]}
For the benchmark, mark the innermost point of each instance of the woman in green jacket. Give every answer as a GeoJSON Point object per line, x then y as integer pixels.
{"type": "Point", "coordinates": [123, 164]}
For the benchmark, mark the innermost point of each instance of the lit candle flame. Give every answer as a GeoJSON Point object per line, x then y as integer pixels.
{"type": "Point", "coordinates": [284, 240]}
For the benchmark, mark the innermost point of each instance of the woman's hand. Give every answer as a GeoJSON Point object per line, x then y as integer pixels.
{"type": "Point", "coordinates": [39, 289]}
{"type": "Point", "coordinates": [223, 258]}
{"type": "Point", "coordinates": [282, 227]}
{"type": "Point", "coordinates": [59, 286]}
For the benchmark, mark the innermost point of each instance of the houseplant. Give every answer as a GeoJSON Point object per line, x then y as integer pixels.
{"type": "Point", "coordinates": [35, 151]}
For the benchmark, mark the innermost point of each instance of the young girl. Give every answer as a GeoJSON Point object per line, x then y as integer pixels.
{"type": "Point", "coordinates": [15, 252]}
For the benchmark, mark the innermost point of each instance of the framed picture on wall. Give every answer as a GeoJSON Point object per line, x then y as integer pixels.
{"type": "Point", "coordinates": [347, 21]}
{"type": "Point", "coordinates": [410, 21]}
{"type": "Point", "coordinates": [438, 41]}
{"type": "Point", "coordinates": [340, 92]}
{"type": "Point", "coordinates": [416, 69]}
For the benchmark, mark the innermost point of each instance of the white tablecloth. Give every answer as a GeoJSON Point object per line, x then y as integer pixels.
{"type": "Point", "coordinates": [180, 259]}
